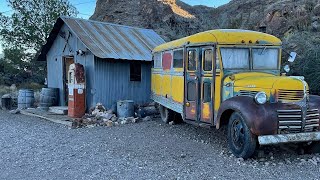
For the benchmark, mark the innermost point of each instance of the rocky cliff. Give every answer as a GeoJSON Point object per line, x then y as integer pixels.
{"type": "Point", "coordinates": [170, 18]}
{"type": "Point", "coordinates": [174, 19]}
{"type": "Point", "coordinates": [296, 22]}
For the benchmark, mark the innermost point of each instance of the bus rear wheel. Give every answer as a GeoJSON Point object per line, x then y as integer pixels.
{"type": "Point", "coordinates": [242, 142]}
{"type": "Point", "coordinates": [166, 114]}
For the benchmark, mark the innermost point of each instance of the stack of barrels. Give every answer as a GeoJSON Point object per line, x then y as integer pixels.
{"type": "Point", "coordinates": [48, 97]}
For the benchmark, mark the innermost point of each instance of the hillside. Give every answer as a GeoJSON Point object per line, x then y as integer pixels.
{"type": "Point", "coordinates": [170, 18]}
{"type": "Point", "coordinates": [296, 22]}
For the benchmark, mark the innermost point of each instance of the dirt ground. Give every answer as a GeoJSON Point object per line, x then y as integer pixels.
{"type": "Point", "coordinates": [32, 148]}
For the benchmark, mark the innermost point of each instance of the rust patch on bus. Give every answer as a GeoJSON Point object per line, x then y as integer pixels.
{"type": "Point", "coordinates": [166, 61]}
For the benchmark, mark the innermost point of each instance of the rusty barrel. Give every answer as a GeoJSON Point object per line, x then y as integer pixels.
{"type": "Point", "coordinates": [49, 97]}
{"type": "Point", "coordinates": [25, 98]}
{"type": "Point", "coordinates": [6, 102]}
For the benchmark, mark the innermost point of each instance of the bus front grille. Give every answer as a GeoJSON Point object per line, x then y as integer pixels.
{"type": "Point", "coordinates": [291, 121]}
{"type": "Point", "coordinates": [290, 95]}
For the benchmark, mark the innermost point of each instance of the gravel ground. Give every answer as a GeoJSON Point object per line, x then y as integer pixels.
{"type": "Point", "coordinates": [32, 148]}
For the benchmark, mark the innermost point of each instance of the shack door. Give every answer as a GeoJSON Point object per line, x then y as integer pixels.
{"type": "Point", "coordinates": [67, 61]}
{"type": "Point", "coordinates": [199, 84]}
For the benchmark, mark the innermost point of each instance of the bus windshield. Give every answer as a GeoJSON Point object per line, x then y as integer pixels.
{"type": "Point", "coordinates": [265, 58]}
{"type": "Point", "coordinates": [235, 58]}
{"type": "Point", "coordinates": [239, 58]}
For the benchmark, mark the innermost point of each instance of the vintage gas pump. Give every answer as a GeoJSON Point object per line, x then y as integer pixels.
{"type": "Point", "coordinates": [76, 86]}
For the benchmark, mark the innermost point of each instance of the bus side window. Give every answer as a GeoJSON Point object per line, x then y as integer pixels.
{"type": "Point", "coordinates": [157, 60]}
{"type": "Point", "coordinates": [178, 59]}
{"type": "Point", "coordinates": [217, 61]}
{"type": "Point", "coordinates": [192, 60]}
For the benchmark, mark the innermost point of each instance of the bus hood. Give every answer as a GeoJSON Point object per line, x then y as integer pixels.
{"type": "Point", "coordinates": [264, 81]}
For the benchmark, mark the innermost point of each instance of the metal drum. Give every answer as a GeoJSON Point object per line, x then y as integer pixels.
{"type": "Point", "coordinates": [49, 97]}
{"type": "Point", "coordinates": [6, 102]}
{"type": "Point", "coordinates": [25, 98]}
{"type": "Point", "coordinates": [125, 108]}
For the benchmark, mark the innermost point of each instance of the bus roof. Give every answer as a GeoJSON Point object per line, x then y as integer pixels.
{"type": "Point", "coordinates": [223, 36]}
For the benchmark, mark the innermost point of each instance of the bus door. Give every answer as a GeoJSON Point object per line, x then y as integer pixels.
{"type": "Point", "coordinates": [199, 84]}
{"type": "Point", "coordinates": [207, 84]}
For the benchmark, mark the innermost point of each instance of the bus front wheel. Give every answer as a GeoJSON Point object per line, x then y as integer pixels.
{"type": "Point", "coordinates": [242, 142]}
{"type": "Point", "coordinates": [166, 114]}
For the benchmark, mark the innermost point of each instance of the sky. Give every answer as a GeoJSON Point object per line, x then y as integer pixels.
{"type": "Point", "coordinates": [86, 7]}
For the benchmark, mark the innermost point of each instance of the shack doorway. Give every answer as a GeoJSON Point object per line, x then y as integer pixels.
{"type": "Point", "coordinates": [67, 61]}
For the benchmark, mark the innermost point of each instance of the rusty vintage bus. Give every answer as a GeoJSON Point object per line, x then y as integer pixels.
{"type": "Point", "coordinates": [233, 78]}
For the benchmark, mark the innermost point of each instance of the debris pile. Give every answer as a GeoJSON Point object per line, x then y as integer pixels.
{"type": "Point", "coordinates": [100, 116]}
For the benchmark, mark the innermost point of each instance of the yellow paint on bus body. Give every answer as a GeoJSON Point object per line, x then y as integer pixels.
{"type": "Point", "coordinates": [223, 36]}
{"type": "Point", "coordinates": [177, 88]}
{"type": "Point", "coordinates": [206, 111]}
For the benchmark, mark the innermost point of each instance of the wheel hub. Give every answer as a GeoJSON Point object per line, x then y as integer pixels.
{"type": "Point", "coordinates": [237, 134]}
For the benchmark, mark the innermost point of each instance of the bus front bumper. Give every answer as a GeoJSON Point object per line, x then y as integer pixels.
{"type": "Point", "coordinates": [288, 138]}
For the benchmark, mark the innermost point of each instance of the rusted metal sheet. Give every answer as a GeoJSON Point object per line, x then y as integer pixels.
{"type": "Point", "coordinates": [289, 138]}
{"type": "Point", "coordinates": [106, 40]}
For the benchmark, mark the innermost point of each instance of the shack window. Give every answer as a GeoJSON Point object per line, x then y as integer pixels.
{"type": "Point", "coordinates": [135, 71]}
{"type": "Point", "coordinates": [191, 93]}
{"type": "Point", "coordinates": [178, 59]}
{"type": "Point", "coordinates": [208, 56]}
{"type": "Point", "coordinates": [192, 60]}
{"type": "Point", "coordinates": [157, 60]}
{"type": "Point", "coordinates": [206, 92]}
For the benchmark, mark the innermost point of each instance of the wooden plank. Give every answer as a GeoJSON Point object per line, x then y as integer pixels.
{"type": "Point", "coordinates": [67, 123]}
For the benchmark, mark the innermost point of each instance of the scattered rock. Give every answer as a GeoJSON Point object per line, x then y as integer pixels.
{"type": "Point", "coordinates": [316, 10]}
{"type": "Point", "coordinates": [262, 159]}
{"type": "Point", "coordinates": [171, 123]}
{"type": "Point", "coordinates": [124, 122]}
{"type": "Point", "coordinates": [147, 118]}
{"type": "Point", "coordinates": [313, 162]}
{"type": "Point", "coordinates": [114, 119]}
{"type": "Point", "coordinates": [90, 126]}
{"type": "Point", "coordinates": [109, 123]}
{"type": "Point", "coordinates": [183, 156]}
{"type": "Point", "coordinates": [106, 115]}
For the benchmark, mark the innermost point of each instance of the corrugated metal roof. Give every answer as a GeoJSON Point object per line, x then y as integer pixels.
{"type": "Point", "coordinates": [107, 40]}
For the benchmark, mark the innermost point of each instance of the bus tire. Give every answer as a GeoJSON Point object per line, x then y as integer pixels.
{"type": "Point", "coordinates": [242, 142]}
{"type": "Point", "coordinates": [167, 115]}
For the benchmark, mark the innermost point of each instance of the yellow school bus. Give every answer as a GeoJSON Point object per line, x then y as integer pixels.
{"type": "Point", "coordinates": [233, 78]}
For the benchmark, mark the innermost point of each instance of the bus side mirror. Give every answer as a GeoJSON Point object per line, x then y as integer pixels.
{"type": "Point", "coordinates": [292, 56]}
{"type": "Point", "coordinates": [286, 68]}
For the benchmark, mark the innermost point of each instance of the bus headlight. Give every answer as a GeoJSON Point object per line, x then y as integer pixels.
{"type": "Point", "coordinates": [260, 98]}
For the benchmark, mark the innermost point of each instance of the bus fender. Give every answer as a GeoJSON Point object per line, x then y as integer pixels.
{"type": "Point", "coordinates": [261, 119]}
